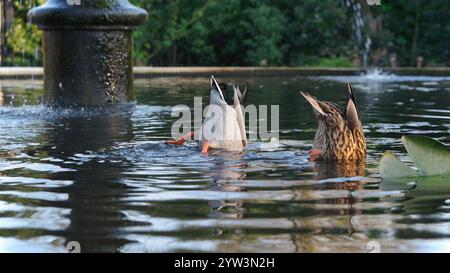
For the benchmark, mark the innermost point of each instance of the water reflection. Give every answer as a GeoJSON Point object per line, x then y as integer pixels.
{"type": "Point", "coordinates": [426, 210]}
{"type": "Point", "coordinates": [424, 195]}
{"type": "Point", "coordinates": [228, 166]}
{"type": "Point", "coordinates": [344, 205]}
{"type": "Point", "coordinates": [95, 213]}
{"type": "Point", "coordinates": [332, 169]}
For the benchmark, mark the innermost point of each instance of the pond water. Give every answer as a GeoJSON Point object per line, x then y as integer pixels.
{"type": "Point", "coordinates": [108, 181]}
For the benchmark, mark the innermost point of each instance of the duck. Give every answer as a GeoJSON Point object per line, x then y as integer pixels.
{"type": "Point", "coordinates": [339, 135]}
{"type": "Point", "coordinates": [223, 126]}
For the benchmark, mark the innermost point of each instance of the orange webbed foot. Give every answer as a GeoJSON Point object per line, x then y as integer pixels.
{"type": "Point", "coordinates": [314, 154]}
{"type": "Point", "coordinates": [205, 147]}
{"type": "Point", "coordinates": [176, 142]}
{"type": "Point", "coordinates": [182, 140]}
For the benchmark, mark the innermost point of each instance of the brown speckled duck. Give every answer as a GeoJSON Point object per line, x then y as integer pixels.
{"type": "Point", "coordinates": [339, 135]}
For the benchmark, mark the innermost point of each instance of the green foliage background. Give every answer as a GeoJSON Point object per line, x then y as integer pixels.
{"type": "Point", "coordinates": [270, 32]}
{"type": "Point", "coordinates": [24, 40]}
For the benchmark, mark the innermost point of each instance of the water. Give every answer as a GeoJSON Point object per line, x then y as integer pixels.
{"type": "Point", "coordinates": [106, 180]}
{"type": "Point", "coordinates": [360, 28]}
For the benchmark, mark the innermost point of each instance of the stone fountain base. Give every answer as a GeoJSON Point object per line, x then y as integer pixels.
{"type": "Point", "coordinates": [94, 68]}
{"type": "Point", "coordinates": [87, 51]}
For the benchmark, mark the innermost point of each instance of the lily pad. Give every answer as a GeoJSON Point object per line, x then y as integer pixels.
{"type": "Point", "coordinates": [430, 156]}
{"type": "Point", "coordinates": [392, 167]}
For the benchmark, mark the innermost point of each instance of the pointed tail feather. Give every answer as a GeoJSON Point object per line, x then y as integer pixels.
{"type": "Point", "coordinates": [314, 103]}
{"type": "Point", "coordinates": [244, 94]}
{"type": "Point", "coordinates": [352, 115]}
{"type": "Point", "coordinates": [351, 95]}
{"type": "Point", "coordinates": [215, 85]}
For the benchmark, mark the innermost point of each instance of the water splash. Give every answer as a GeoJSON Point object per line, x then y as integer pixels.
{"type": "Point", "coordinates": [378, 75]}
{"type": "Point", "coordinates": [359, 24]}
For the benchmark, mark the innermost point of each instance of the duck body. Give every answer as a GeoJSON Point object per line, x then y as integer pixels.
{"type": "Point", "coordinates": [339, 135]}
{"type": "Point", "coordinates": [223, 126]}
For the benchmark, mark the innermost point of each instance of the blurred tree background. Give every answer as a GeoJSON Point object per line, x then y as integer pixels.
{"type": "Point", "coordinates": [21, 42]}
{"type": "Point", "coordinates": [331, 33]}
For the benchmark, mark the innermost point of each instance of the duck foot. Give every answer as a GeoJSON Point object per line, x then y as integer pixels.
{"type": "Point", "coordinates": [314, 154]}
{"type": "Point", "coordinates": [205, 147]}
{"type": "Point", "coordinates": [182, 140]}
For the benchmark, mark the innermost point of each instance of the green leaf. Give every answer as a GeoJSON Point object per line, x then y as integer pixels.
{"type": "Point", "coordinates": [421, 195]}
{"type": "Point", "coordinates": [430, 156]}
{"type": "Point", "coordinates": [391, 167]}
{"type": "Point", "coordinates": [399, 183]}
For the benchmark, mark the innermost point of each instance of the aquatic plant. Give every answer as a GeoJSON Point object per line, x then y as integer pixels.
{"type": "Point", "coordinates": [431, 158]}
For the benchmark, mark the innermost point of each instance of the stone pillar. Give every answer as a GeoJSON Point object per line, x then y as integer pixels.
{"type": "Point", "coordinates": [87, 47]}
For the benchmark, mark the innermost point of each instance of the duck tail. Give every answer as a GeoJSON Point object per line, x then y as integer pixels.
{"type": "Point", "coordinates": [243, 97]}
{"type": "Point", "coordinates": [352, 115]}
{"type": "Point", "coordinates": [215, 85]}
{"type": "Point", "coordinates": [314, 103]}
{"type": "Point", "coordinates": [351, 94]}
